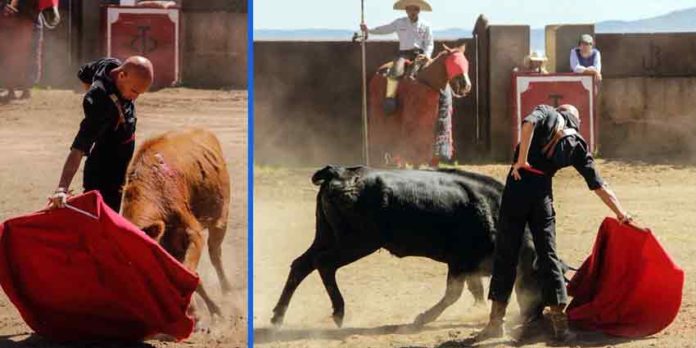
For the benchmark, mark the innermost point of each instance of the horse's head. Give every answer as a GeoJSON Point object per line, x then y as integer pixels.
{"type": "Point", "coordinates": [457, 68]}
{"type": "Point", "coordinates": [449, 66]}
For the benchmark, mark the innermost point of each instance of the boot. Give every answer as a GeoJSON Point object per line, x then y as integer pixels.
{"type": "Point", "coordinates": [561, 331]}
{"type": "Point", "coordinates": [390, 104]}
{"type": "Point", "coordinates": [494, 328]}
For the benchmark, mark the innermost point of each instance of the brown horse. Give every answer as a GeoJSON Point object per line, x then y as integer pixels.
{"type": "Point", "coordinates": [408, 133]}
{"type": "Point", "coordinates": [23, 23]}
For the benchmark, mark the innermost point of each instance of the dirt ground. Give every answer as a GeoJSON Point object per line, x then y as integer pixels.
{"type": "Point", "coordinates": [35, 136]}
{"type": "Point", "coordinates": [384, 294]}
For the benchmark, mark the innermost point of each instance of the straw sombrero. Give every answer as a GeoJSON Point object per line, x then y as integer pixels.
{"type": "Point", "coordinates": [537, 56]}
{"type": "Point", "coordinates": [422, 4]}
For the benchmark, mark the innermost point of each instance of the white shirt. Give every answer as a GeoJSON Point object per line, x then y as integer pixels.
{"type": "Point", "coordinates": [411, 35]}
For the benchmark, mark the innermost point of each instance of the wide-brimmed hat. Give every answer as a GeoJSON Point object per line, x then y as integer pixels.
{"type": "Point", "coordinates": [537, 56]}
{"type": "Point", "coordinates": [422, 4]}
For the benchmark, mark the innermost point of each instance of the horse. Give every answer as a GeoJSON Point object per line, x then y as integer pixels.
{"type": "Point", "coordinates": [408, 134]}
{"type": "Point", "coordinates": [23, 23]}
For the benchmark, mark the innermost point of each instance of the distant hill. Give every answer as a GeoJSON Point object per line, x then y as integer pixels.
{"type": "Point", "coordinates": [677, 21]}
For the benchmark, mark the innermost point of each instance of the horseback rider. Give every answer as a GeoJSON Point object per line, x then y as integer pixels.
{"type": "Point", "coordinates": [415, 42]}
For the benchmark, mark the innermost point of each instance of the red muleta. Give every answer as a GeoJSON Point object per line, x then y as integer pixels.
{"type": "Point", "coordinates": [78, 277]}
{"type": "Point", "coordinates": [629, 286]}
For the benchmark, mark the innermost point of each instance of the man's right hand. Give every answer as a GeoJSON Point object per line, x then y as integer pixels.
{"type": "Point", "coordinates": [58, 199]}
{"type": "Point", "coordinates": [624, 217]}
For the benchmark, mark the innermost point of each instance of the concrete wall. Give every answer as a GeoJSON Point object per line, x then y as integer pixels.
{"type": "Point", "coordinates": [648, 118]}
{"type": "Point", "coordinates": [655, 55]}
{"type": "Point", "coordinates": [647, 109]}
{"type": "Point", "coordinates": [509, 44]}
{"type": "Point", "coordinates": [214, 49]}
{"type": "Point", "coordinates": [308, 101]}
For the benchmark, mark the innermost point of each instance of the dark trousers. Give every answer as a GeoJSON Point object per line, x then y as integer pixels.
{"type": "Point", "coordinates": [111, 196]}
{"type": "Point", "coordinates": [527, 201]}
{"type": "Point", "coordinates": [397, 69]}
{"type": "Point", "coordinates": [107, 174]}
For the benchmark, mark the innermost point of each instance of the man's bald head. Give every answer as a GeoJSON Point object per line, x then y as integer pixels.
{"type": "Point", "coordinates": [570, 108]}
{"type": "Point", "coordinates": [140, 66]}
{"type": "Point", "coordinates": [573, 112]}
{"type": "Point", "coordinates": [134, 77]}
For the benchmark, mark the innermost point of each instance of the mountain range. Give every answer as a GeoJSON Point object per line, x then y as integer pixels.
{"type": "Point", "coordinates": [677, 21]}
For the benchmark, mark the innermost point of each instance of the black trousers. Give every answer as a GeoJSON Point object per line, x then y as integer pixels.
{"type": "Point", "coordinates": [528, 201]}
{"type": "Point", "coordinates": [106, 173]}
{"type": "Point", "coordinates": [397, 69]}
{"type": "Point", "coordinates": [111, 196]}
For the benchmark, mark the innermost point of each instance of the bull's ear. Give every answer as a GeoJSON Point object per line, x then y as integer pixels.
{"type": "Point", "coordinates": [327, 173]}
{"type": "Point", "coordinates": [155, 231]}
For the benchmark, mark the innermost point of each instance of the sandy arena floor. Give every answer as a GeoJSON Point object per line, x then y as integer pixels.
{"type": "Point", "coordinates": [384, 294]}
{"type": "Point", "coordinates": [35, 136]}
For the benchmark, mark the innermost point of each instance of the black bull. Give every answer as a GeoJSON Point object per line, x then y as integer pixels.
{"type": "Point", "coordinates": [446, 215]}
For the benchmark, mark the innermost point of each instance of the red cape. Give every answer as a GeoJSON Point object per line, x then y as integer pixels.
{"type": "Point", "coordinates": [628, 287]}
{"type": "Point", "coordinates": [73, 277]}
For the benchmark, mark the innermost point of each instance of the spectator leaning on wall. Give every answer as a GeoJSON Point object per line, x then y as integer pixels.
{"type": "Point", "coordinates": [585, 59]}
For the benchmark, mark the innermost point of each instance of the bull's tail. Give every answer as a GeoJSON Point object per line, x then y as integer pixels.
{"type": "Point", "coordinates": [328, 173]}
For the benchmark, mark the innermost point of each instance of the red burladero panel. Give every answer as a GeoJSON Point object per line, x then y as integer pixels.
{"type": "Point", "coordinates": [555, 90]}
{"type": "Point", "coordinates": [147, 34]}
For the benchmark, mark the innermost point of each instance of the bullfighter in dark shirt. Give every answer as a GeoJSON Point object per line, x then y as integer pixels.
{"type": "Point", "coordinates": [550, 141]}
{"type": "Point", "coordinates": [107, 133]}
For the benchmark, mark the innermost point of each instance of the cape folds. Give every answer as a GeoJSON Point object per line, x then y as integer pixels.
{"type": "Point", "coordinates": [74, 277]}
{"type": "Point", "coordinates": [629, 286]}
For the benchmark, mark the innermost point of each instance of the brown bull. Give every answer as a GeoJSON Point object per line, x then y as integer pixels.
{"type": "Point", "coordinates": [177, 186]}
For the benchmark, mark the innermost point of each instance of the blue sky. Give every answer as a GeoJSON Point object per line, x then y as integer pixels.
{"type": "Point", "coordinates": [345, 14]}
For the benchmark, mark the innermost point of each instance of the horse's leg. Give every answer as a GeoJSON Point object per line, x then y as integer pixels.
{"type": "Point", "coordinates": [328, 263]}
{"type": "Point", "coordinates": [455, 286]}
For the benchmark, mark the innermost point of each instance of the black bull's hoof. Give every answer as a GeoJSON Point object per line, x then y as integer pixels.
{"type": "Point", "coordinates": [277, 320]}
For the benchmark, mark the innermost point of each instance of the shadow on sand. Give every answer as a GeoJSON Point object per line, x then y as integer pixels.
{"type": "Point", "coordinates": [35, 341]}
{"type": "Point", "coordinates": [541, 333]}
{"type": "Point", "coordinates": [267, 335]}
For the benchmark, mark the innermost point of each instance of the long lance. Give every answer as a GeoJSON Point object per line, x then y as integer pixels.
{"type": "Point", "coordinates": [366, 155]}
